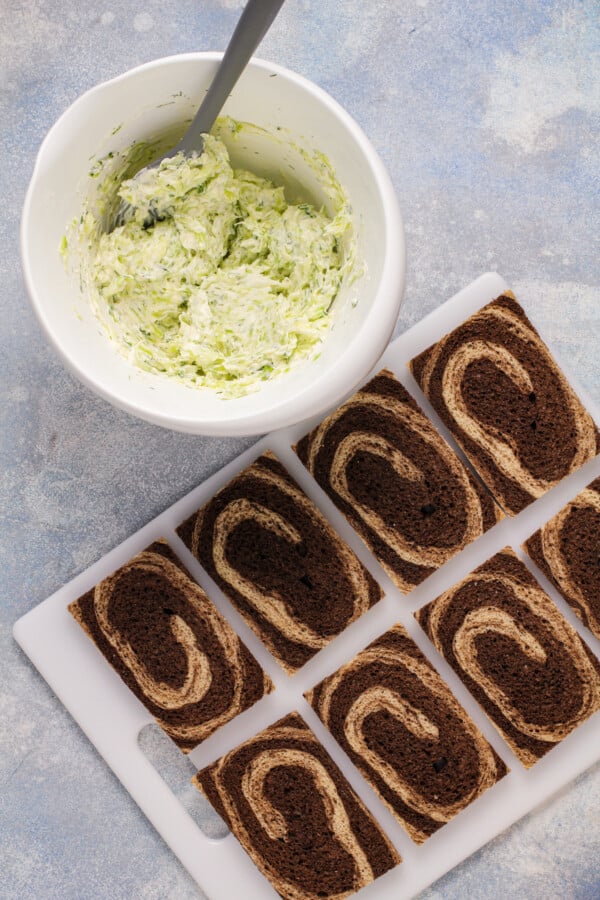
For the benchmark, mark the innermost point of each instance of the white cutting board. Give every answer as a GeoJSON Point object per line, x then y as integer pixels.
{"type": "Point", "coordinates": [112, 717]}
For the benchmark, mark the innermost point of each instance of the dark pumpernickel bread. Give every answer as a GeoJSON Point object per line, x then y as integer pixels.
{"type": "Point", "coordinates": [172, 648]}
{"type": "Point", "coordinates": [522, 661]}
{"type": "Point", "coordinates": [403, 729]}
{"type": "Point", "coordinates": [280, 562]}
{"type": "Point", "coordinates": [497, 388]}
{"type": "Point", "coordinates": [567, 550]}
{"type": "Point", "coordinates": [295, 815]}
{"type": "Point", "coordinates": [397, 482]}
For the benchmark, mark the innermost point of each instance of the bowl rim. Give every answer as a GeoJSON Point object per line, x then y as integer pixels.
{"type": "Point", "coordinates": [361, 353]}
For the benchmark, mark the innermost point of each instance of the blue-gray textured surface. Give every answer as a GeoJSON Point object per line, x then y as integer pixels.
{"type": "Point", "coordinates": [486, 113]}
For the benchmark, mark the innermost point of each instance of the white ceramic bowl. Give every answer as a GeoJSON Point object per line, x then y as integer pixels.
{"type": "Point", "coordinates": [150, 100]}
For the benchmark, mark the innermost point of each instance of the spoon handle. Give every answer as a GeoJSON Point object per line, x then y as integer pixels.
{"type": "Point", "coordinates": [254, 23]}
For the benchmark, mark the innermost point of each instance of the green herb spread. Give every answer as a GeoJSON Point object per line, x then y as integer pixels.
{"type": "Point", "coordinates": [230, 286]}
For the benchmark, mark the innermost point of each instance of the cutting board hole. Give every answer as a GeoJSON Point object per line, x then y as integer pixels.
{"type": "Point", "coordinates": [176, 770]}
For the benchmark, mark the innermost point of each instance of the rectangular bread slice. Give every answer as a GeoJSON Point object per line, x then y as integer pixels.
{"type": "Point", "coordinates": [407, 494]}
{"type": "Point", "coordinates": [567, 550]}
{"type": "Point", "coordinates": [295, 815]}
{"type": "Point", "coordinates": [170, 645]}
{"type": "Point", "coordinates": [404, 730]}
{"type": "Point", "coordinates": [519, 657]}
{"type": "Point", "coordinates": [495, 385]}
{"type": "Point", "coordinates": [279, 561]}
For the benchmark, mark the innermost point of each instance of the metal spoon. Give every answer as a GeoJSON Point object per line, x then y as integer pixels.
{"type": "Point", "coordinates": [254, 23]}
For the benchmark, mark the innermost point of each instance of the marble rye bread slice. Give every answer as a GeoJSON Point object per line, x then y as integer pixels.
{"type": "Point", "coordinates": [520, 658]}
{"type": "Point", "coordinates": [567, 550]}
{"type": "Point", "coordinates": [296, 816]}
{"type": "Point", "coordinates": [397, 481]}
{"type": "Point", "coordinates": [403, 729]}
{"type": "Point", "coordinates": [495, 385]}
{"type": "Point", "coordinates": [279, 561]}
{"type": "Point", "coordinates": [170, 645]}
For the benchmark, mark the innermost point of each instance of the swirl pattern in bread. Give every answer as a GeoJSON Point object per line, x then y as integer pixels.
{"type": "Point", "coordinates": [275, 556]}
{"type": "Point", "coordinates": [171, 646]}
{"type": "Point", "coordinates": [402, 727]}
{"type": "Point", "coordinates": [496, 386]}
{"type": "Point", "coordinates": [397, 481]}
{"type": "Point", "coordinates": [519, 657]}
{"type": "Point", "coordinates": [567, 550]}
{"type": "Point", "coordinates": [296, 816]}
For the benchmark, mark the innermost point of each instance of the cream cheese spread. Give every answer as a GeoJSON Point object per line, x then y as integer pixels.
{"type": "Point", "coordinates": [230, 286]}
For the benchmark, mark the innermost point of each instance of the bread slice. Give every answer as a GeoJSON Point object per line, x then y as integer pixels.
{"type": "Point", "coordinates": [495, 385]}
{"type": "Point", "coordinates": [396, 480]}
{"type": "Point", "coordinates": [402, 727]}
{"type": "Point", "coordinates": [279, 561]}
{"type": "Point", "coordinates": [567, 550]}
{"type": "Point", "coordinates": [519, 657]}
{"type": "Point", "coordinates": [170, 645]}
{"type": "Point", "coordinates": [295, 815]}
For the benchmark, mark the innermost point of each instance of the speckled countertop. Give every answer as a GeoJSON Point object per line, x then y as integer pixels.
{"type": "Point", "coordinates": [486, 113]}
